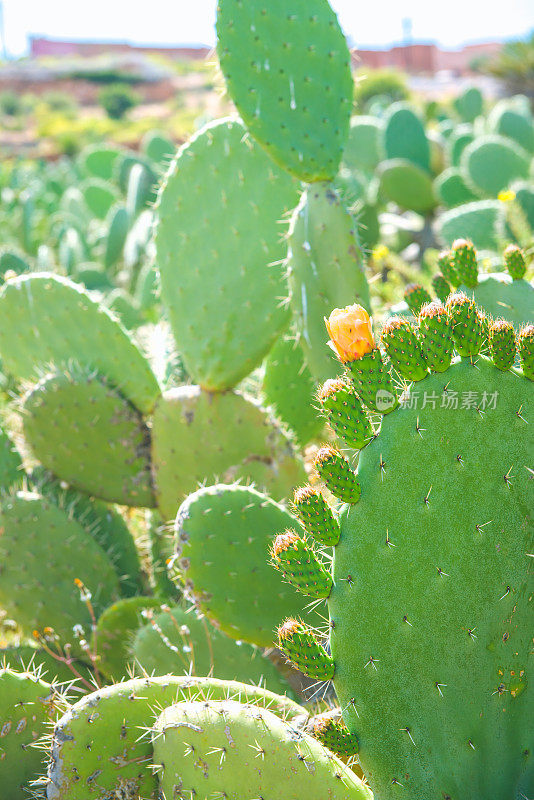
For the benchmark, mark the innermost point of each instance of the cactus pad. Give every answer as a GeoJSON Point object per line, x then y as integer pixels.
{"type": "Point", "coordinates": [223, 535]}
{"type": "Point", "coordinates": [287, 68]}
{"type": "Point", "coordinates": [245, 751]}
{"type": "Point", "coordinates": [405, 137]}
{"type": "Point", "coordinates": [52, 306]}
{"type": "Point", "coordinates": [219, 243]}
{"type": "Point", "coordinates": [406, 184]}
{"type": "Point", "coordinates": [197, 436]}
{"type": "Point", "coordinates": [492, 163]}
{"type": "Point", "coordinates": [100, 420]}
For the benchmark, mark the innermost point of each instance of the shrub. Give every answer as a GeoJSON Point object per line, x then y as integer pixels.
{"type": "Point", "coordinates": [117, 100]}
{"type": "Point", "coordinates": [379, 82]}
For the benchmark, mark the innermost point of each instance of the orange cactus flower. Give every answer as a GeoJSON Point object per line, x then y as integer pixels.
{"type": "Point", "coordinates": [350, 331]}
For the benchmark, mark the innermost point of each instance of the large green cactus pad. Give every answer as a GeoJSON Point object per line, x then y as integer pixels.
{"type": "Point", "coordinates": [407, 184]}
{"type": "Point", "coordinates": [106, 451]}
{"type": "Point", "coordinates": [178, 642]}
{"type": "Point", "coordinates": [198, 436]}
{"type": "Point", "coordinates": [492, 163]}
{"type": "Point", "coordinates": [245, 751]}
{"type": "Point", "coordinates": [218, 238]}
{"type": "Point", "coordinates": [325, 270]}
{"type": "Point", "coordinates": [476, 221]}
{"type": "Point", "coordinates": [42, 553]}
{"type": "Point", "coordinates": [223, 536]}
{"type": "Point", "coordinates": [48, 319]}
{"type": "Point", "coordinates": [287, 68]}
{"type": "Point", "coordinates": [431, 634]}
{"type": "Point", "coordinates": [405, 137]}
{"type": "Point", "coordinates": [99, 750]}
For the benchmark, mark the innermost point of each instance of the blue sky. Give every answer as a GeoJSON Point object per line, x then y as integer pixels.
{"type": "Point", "coordinates": [451, 22]}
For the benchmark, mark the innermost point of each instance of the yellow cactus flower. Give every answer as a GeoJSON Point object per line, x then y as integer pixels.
{"type": "Point", "coordinates": [380, 252]}
{"type": "Point", "coordinates": [506, 196]}
{"type": "Point", "coordinates": [350, 331]}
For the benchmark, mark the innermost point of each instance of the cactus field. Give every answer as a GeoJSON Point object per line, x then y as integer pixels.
{"type": "Point", "coordinates": [267, 444]}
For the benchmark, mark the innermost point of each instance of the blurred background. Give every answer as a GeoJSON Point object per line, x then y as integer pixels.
{"type": "Point", "coordinates": [73, 74]}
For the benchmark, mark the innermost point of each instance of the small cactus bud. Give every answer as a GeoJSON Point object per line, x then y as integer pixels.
{"type": "Point", "coordinates": [416, 296]}
{"type": "Point", "coordinates": [295, 559]}
{"type": "Point", "coordinates": [298, 643]}
{"type": "Point", "coordinates": [345, 413]}
{"type": "Point", "coordinates": [402, 347]}
{"type": "Point", "coordinates": [441, 286]}
{"type": "Point", "coordinates": [502, 344]}
{"type": "Point", "coordinates": [467, 322]}
{"type": "Point", "coordinates": [446, 265]}
{"type": "Point", "coordinates": [316, 515]}
{"type": "Point", "coordinates": [435, 332]}
{"type": "Point", "coordinates": [334, 469]}
{"type": "Point", "coordinates": [372, 381]}
{"type": "Point", "coordinates": [465, 262]}
{"type": "Point", "coordinates": [514, 260]}
{"type": "Point", "coordinates": [330, 730]}
{"type": "Point", "coordinates": [350, 332]}
{"type": "Point", "coordinates": [526, 351]}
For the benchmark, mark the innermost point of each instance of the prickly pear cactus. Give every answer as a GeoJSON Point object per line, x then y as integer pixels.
{"type": "Point", "coordinates": [431, 604]}
{"type": "Point", "coordinates": [223, 534]}
{"type": "Point", "coordinates": [176, 641]}
{"type": "Point", "coordinates": [27, 706]}
{"type": "Point", "coordinates": [220, 258]}
{"type": "Point", "coordinates": [325, 264]}
{"type": "Point", "coordinates": [100, 420]}
{"type": "Point", "coordinates": [52, 306]}
{"type": "Point", "coordinates": [101, 749]}
{"type": "Point", "coordinates": [198, 436]}
{"type": "Point", "coordinates": [44, 554]}
{"type": "Point", "coordinates": [245, 751]}
{"type": "Point", "coordinates": [114, 632]}
{"type": "Point", "coordinates": [287, 69]}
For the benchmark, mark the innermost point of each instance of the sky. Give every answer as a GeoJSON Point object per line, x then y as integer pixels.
{"type": "Point", "coordinates": [450, 23]}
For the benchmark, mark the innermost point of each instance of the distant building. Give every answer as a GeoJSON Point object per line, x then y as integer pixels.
{"type": "Point", "coordinates": [425, 58]}
{"type": "Point", "coordinates": [41, 47]}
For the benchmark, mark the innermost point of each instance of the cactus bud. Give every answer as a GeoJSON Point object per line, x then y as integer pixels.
{"type": "Point", "coordinates": [298, 643]}
{"type": "Point", "coordinates": [329, 729]}
{"type": "Point", "coordinates": [345, 413]}
{"type": "Point", "coordinates": [435, 331]}
{"type": "Point", "coordinates": [502, 344]}
{"type": "Point", "coordinates": [526, 351]}
{"type": "Point", "coordinates": [316, 515]}
{"type": "Point", "coordinates": [401, 345]}
{"type": "Point", "coordinates": [467, 324]}
{"type": "Point", "coordinates": [446, 265]}
{"type": "Point", "coordinates": [295, 559]}
{"type": "Point", "coordinates": [416, 296]}
{"type": "Point", "coordinates": [465, 262]}
{"type": "Point", "coordinates": [514, 260]}
{"type": "Point", "coordinates": [441, 286]}
{"type": "Point", "coordinates": [334, 469]}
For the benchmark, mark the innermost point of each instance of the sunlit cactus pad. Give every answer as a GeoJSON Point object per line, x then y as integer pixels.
{"type": "Point", "coordinates": [223, 537]}
{"type": "Point", "coordinates": [198, 436]}
{"type": "Point", "coordinates": [219, 246]}
{"type": "Point", "coordinates": [99, 420]}
{"type": "Point", "coordinates": [62, 323]}
{"type": "Point", "coordinates": [245, 751]}
{"type": "Point", "coordinates": [102, 744]}
{"type": "Point", "coordinates": [287, 68]}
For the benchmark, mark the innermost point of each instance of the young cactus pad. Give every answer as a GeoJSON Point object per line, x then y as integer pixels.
{"type": "Point", "coordinates": [219, 246]}
{"type": "Point", "coordinates": [245, 751]}
{"type": "Point", "coordinates": [287, 69]}
{"type": "Point", "coordinates": [223, 536]}
{"type": "Point", "coordinates": [198, 436]}
{"type": "Point", "coordinates": [102, 741]}
{"type": "Point", "coordinates": [430, 611]}
{"type": "Point", "coordinates": [54, 305]}
{"type": "Point", "coordinates": [325, 265]}
{"type": "Point", "coordinates": [177, 641]}
{"type": "Point", "coordinates": [99, 420]}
